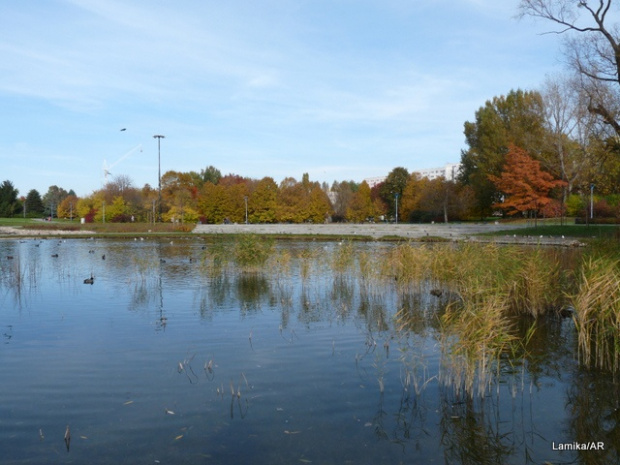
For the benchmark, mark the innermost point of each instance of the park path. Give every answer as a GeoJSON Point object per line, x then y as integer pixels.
{"type": "Point", "coordinates": [450, 231]}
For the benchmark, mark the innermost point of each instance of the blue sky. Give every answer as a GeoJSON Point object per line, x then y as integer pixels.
{"type": "Point", "coordinates": [341, 89]}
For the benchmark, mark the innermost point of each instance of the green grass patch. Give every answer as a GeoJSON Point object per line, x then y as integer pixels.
{"type": "Point", "coordinates": [17, 222]}
{"type": "Point", "coordinates": [577, 231]}
{"type": "Point", "coordinates": [110, 228]}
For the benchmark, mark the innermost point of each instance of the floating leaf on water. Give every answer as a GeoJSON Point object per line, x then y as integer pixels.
{"type": "Point", "coordinates": [178, 437]}
{"type": "Point", "coordinates": [291, 432]}
{"type": "Point", "coordinates": [279, 409]}
{"type": "Point", "coordinates": [169, 412]}
{"type": "Point", "coordinates": [128, 402]}
{"type": "Point", "coordinates": [367, 424]}
{"type": "Point", "coordinates": [41, 435]}
{"type": "Point", "coordinates": [305, 461]}
{"type": "Point", "coordinates": [83, 437]}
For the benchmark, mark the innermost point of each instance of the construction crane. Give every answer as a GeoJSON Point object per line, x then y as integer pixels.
{"type": "Point", "coordinates": [107, 168]}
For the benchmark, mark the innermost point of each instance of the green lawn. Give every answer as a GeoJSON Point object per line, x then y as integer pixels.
{"type": "Point", "coordinates": [101, 228]}
{"type": "Point", "coordinates": [572, 230]}
{"type": "Point", "coordinates": [17, 221]}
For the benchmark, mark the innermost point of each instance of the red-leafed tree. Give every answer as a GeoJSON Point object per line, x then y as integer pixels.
{"type": "Point", "coordinates": [525, 185]}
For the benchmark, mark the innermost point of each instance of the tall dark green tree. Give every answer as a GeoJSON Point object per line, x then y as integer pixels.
{"type": "Point", "coordinates": [211, 174]}
{"type": "Point", "coordinates": [34, 205]}
{"type": "Point", "coordinates": [515, 119]}
{"type": "Point", "coordinates": [52, 198]}
{"type": "Point", "coordinates": [394, 185]}
{"type": "Point", "coordinates": [9, 205]}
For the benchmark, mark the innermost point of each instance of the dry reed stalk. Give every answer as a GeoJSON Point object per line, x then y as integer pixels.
{"type": "Point", "coordinates": [280, 263]}
{"type": "Point", "coordinates": [344, 257]}
{"type": "Point", "coordinates": [408, 266]}
{"type": "Point", "coordinates": [537, 285]}
{"type": "Point", "coordinates": [597, 313]}
{"type": "Point", "coordinates": [307, 257]}
{"type": "Point", "coordinates": [475, 334]}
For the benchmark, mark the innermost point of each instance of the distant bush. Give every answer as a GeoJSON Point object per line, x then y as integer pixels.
{"type": "Point", "coordinates": [603, 210]}
{"type": "Point", "coordinates": [574, 205]}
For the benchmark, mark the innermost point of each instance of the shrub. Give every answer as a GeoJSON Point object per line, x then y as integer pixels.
{"type": "Point", "coordinates": [574, 205]}
{"type": "Point", "coordinates": [252, 251]}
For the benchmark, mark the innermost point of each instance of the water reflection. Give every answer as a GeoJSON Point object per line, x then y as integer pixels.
{"type": "Point", "coordinates": [252, 290]}
{"type": "Point", "coordinates": [177, 327]}
{"type": "Point", "coordinates": [593, 400]}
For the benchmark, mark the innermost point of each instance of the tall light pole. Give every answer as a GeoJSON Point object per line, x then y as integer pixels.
{"type": "Point", "coordinates": [159, 137]}
{"type": "Point", "coordinates": [396, 201]}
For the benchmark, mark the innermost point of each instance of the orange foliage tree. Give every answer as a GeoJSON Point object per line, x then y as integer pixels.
{"type": "Point", "coordinates": [525, 185]}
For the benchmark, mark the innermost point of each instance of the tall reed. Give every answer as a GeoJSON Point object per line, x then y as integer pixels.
{"type": "Point", "coordinates": [343, 258]}
{"type": "Point", "coordinates": [487, 286]}
{"type": "Point", "coordinates": [596, 303]}
{"type": "Point", "coordinates": [408, 265]}
{"type": "Point", "coordinates": [475, 334]}
{"type": "Point", "coordinates": [537, 285]}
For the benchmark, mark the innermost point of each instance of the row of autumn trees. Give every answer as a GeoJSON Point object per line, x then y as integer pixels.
{"type": "Point", "coordinates": [209, 197]}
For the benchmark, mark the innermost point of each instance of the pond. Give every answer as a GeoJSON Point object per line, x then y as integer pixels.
{"type": "Point", "coordinates": [168, 358]}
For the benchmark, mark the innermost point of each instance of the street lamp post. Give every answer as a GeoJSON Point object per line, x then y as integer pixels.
{"type": "Point", "coordinates": [245, 198]}
{"type": "Point", "coordinates": [159, 137]}
{"type": "Point", "coordinates": [396, 201]}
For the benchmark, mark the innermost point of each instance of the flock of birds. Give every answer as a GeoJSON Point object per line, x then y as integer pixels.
{"type": "Point", "coordinates": [91, 279]}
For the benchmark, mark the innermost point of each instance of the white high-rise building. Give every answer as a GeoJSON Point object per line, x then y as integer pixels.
{"type": "Point", "coordinates": [372, 182]}
{"type": "Point", "coordinates": [449, 171]}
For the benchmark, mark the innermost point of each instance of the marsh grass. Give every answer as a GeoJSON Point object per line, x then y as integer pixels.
{"type": "Point", "coordinates": [474, 337]}
{"type": "Point", "coordinates": [343, 258]}
{"type": "Point", "coordinates": [280, 263]}
{"type": "Point", "coordinates": [251, 251]}
{"type": "Point", "coordinates": [369, 267]}
{"type": "Point", "coordinates": [409, 264]}
{"type": "Point", "coordinates": [486, 288]}
{"type": "Point", "coordinates": [307, 257]}
{"type": "Point", "coordinates": [216, 257]}
{"type": "Point", "coordinates": [529, 280]}
{"type": "Point", "coordinates": [537, 285]}
{"type": "Point", "coordinates": [596, 303]}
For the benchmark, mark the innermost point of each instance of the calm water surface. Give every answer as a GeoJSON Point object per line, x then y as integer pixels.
{"type": "Point", "coordinates": [163, 360]}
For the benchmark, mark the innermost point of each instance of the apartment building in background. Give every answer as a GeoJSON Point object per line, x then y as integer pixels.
{"type": "Point", "coordinates": [449, 171]}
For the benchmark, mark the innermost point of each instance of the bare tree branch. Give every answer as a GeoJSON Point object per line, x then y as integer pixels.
{"type": "Point", "coordinates": [593, 48]}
